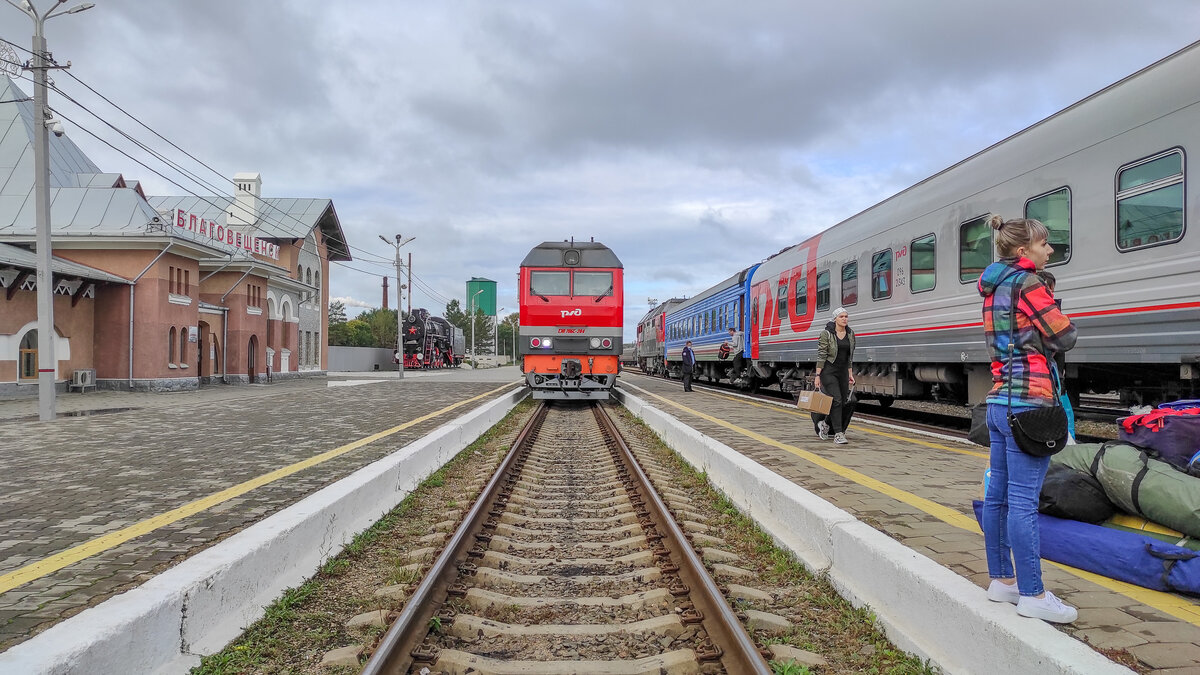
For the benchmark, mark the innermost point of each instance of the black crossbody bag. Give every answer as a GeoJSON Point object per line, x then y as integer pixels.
{"type": "Point", "coordinates": [1040, 432]}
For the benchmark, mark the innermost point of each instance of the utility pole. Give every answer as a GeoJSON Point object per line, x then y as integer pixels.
{"type": "Point", "coordinates": [400, 241]}
{"type": "Point", "coordinates": [40, 63]}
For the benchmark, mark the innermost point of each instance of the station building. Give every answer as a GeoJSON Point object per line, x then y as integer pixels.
{"type": "Point", "coordinates": [157, 293]}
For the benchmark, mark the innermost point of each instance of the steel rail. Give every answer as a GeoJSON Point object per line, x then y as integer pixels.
{"type": "Point", "coordinates": [394, 653]}
{"type": "Point", "coordinates": [722, 625]}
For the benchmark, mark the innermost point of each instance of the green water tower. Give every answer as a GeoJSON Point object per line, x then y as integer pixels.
{"type": "Point", "coordinates": [485, 300]}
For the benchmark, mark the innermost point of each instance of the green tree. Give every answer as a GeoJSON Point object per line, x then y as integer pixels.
{"type": "Point", "coordinates": [337, 313]}
{"type": "Point", "coordinates": [508, 325]}
{"type": "Point", "coordinates": [358, 333]}
{"type": "Point", "coordinates": [382, 323]}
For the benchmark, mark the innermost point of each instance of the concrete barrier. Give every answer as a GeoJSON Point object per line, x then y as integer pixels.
{"type": "Point", "coordinates": [923, 607]}
{"type": "Point", "coordinates": [197, 607]}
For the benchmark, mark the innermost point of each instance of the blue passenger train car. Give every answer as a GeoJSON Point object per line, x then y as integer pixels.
{"type": "Point", "coordinates": [706, 320]}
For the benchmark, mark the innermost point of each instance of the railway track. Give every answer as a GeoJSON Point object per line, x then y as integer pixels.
{"type": "Point", "coordinates": [568, 562]}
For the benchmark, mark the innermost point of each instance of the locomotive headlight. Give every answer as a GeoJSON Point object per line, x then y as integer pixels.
{"type": "Point", "coordinates": [606, 343]}
{"type": "Point", "coordinates": [595, 342]}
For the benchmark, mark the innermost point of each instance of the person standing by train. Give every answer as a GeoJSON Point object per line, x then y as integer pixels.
{"type": "Point", "coordinates": [1010, 509]}
{"type": "Point", "coordinates": [689, 364]}
{"type": "Point", "coordinates": [835, 373]}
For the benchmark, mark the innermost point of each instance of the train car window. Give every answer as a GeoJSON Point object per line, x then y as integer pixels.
{"type": "Point", "coordinates": [801, 292]}
{"type": "Point", "coordinates": [550, 283]}
{"type": "Point", "coordinates": [754, 313]}
{"type": "Point", "coordinates": [922, 263]}
{"type": "Point", "coordinates": [781, 297]}
{"type": "Point", "coordinates": [1150, 201]}
{"type": "Point", "coordinates": [850, 283]}
{"type": "Point", "coordinates": [974, 248]}
{"type": "Point", "coordinates": [1053, 209]}
{"type": "Point", "coordinates": [881, 275]}
{"type": "Point", "coordinates": [823, 291]}
{"type": "Point", "coordinates": [595, 284]}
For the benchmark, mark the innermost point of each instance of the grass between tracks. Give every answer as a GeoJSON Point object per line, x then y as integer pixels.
{"type": "Point", "coordinates": [823, 622]}
{"type": "Point", "coordinates": [307, 621]}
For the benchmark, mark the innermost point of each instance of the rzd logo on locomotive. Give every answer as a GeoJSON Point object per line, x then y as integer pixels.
{"type": "Point", "coordinates": [571, 312]}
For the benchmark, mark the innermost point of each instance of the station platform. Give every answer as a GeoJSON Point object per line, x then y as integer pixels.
{"type": "Point", "coordinates": [918, 490]}
{"type": "Point", "coordinates": [126, 485]}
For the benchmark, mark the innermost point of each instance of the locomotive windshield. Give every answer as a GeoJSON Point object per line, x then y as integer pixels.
{"type": "Point", "coordinates": [596, 284]}
{"type": "Point", "coordinates": [550, 283]}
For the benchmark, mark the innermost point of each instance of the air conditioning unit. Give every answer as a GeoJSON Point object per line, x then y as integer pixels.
{"type": "Point", "coordinates": [85, 377]}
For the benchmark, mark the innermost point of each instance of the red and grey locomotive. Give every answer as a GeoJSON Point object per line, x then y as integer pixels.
{"type": "Point", "coordinates": [571, 311]}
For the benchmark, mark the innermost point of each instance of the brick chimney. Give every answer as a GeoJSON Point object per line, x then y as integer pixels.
{"type": "Point", "coordinates": [245, 209]}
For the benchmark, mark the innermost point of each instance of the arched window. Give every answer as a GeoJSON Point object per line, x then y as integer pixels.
{"type": "Point", "coordinates": [29, 356]}
{"type": "Point", "coordinates": [317, 278]}
{"type": "Point", "coordinates": [171, 346]}
{"type": "Point", "coordinates": [308, 276]}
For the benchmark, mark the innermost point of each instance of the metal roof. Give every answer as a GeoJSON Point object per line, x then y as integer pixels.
{"type": "Point", "coordinates": [87, 201]}
{"type": "Point", "coordinates": [15, 256]}
{"type": "Point", "coordinates": [83, 199]}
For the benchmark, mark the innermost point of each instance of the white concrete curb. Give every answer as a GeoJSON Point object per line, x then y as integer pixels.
{"type": "Point", "coordinates": [923, 607]}
{"type": "Point", "coordinates": [200, 605]}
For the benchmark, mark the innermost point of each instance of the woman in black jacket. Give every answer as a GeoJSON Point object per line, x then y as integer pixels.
{"type": "Point", "coordinates": [835, 372]}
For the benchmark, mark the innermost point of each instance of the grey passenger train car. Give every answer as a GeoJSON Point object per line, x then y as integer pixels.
{"type": "Point", "coordinates": [1108, 177]}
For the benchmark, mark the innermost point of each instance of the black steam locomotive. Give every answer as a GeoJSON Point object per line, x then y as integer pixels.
{"type": "Point", "coordinates": [431, 341]}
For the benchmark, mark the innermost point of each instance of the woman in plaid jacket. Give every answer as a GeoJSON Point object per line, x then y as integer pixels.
{"type": "Point", "coordinates": [1010, 526]}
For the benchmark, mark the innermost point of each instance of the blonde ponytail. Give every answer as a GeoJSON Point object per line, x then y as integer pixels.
{"type": "Point", "coordinates": [1013, 234]}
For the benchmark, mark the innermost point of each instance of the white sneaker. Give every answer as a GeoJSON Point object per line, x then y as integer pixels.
{"type": "Point", "coordinates": [998, 591]}
{"type": "Point", "coordinates": [1048, 608]}
{"type": "Point", "coordinates": [840, 439]}
{"type": "Point", "coordinates": [823, 430]}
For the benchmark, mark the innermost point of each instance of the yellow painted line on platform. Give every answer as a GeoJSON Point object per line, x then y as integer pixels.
{"type": "Point", "coordinates": [86, 550]}
{"type": "Point", "coordinates": [858, 427]}
{"type": "Point", "coordinates": [943, 513]}
{"type": "Point", "coordinates": [1167, 603]}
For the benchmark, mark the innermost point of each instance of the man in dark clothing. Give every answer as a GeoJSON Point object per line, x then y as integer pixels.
{"type": "Point", "coordinates": [689, 364]}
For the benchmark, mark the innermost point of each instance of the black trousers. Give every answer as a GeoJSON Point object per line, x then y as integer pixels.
{"type": "Point", "coordinates": [687, 378]}
{"type": "Point", "coordinates": [835, 382]}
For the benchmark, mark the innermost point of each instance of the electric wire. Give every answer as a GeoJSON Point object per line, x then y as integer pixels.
{"type": "Point", "coordinates": [425, 287]}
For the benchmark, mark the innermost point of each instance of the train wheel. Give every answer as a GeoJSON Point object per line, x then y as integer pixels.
{"type": "Point", "coordinates": [886, 401]}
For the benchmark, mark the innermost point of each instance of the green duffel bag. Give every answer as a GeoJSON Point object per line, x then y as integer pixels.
{"type": "Point", "coordinates": [1079, 457]}
{"type": "Point", "coordinates": [1149, 488]}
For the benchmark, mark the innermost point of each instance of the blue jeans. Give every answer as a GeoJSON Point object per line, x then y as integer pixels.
{"type": "Point", "coordinates": [1010, 526]}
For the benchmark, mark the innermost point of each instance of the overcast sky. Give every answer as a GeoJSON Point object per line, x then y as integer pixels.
{"type": "Point", "coordinates": [692, 137]}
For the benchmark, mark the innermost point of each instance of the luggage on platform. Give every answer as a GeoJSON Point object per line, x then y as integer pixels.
{"type": "Point", "coordinates": [847, 413]}
{"type": "Point", "coordinates": [1128, 557]}
{"type": "Point", "coordinates": [1139, 484]}
{"type": "Point", "coordinates": [1172, 433]}
{"type": "Point", "coordinates": [1076, 495]}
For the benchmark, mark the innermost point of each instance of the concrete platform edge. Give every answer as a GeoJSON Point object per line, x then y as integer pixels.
{"type": "Point", "coordinates": [923, 607]}
{"type": "Point", "coordinates": [197, 607]}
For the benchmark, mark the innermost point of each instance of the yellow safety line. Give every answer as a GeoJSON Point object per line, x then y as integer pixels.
{"type": "Point", "coordinates": [1165, 602]}
{"type": "Point", "coordinates": [88, 549]}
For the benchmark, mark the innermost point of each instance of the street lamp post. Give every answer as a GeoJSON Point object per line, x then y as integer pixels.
{"type": "Point", "coordinates": [474, 356]}
{"type": "Point", "coordinates": [496, 335]}
{"type": "Point", "coordinates": [400, 241]}
{"type": "Point", "coordinates": [39, 64]}
{"type": "Point", "coordinates": [514, 333]}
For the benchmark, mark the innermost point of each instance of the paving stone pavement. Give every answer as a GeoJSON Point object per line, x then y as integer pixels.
{"type": "Point", "coordinates": [1108, 620]}
{"type": "Point", "coordinates": [70, 480]}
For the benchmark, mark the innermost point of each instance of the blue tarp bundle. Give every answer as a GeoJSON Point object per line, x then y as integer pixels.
{"type": "Point", "coordinates": [1125, 556]}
